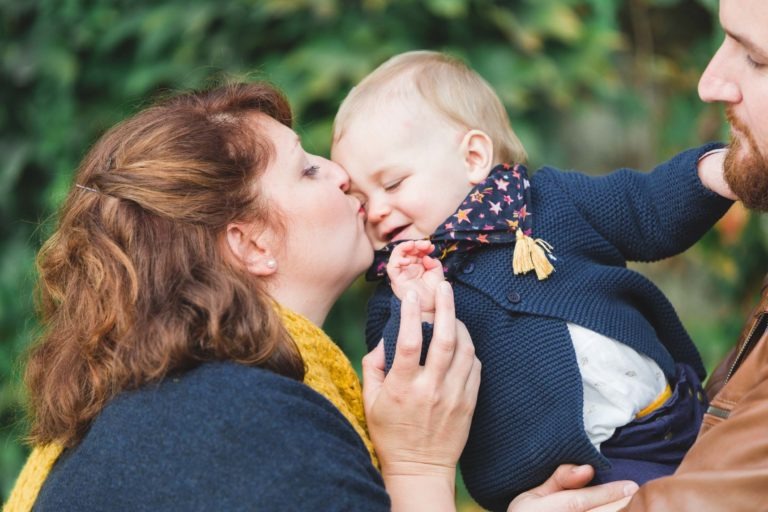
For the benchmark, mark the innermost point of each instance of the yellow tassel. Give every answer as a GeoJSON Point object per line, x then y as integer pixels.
{"type": "Point", "coordinates": [530, 254]}
{"type": "Point", "coordinates": [521, 257]}
{"type": "Point", "coordinates": [540, 261]}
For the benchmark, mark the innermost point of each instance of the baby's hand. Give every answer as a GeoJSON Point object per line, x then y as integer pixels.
{"type": "Point", "coordinates": [711, 173]}
{"type": "Point", "coordinates": [411, 268]}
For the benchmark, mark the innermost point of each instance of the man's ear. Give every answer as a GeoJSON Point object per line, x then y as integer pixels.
{"type": "Point", "coordinates": [251, 248]}
{"type": "Point", "coordinates": [477, 151]}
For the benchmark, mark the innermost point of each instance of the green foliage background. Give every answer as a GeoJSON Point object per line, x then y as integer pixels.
{"type": "Point", "coordinates": [589, 84]}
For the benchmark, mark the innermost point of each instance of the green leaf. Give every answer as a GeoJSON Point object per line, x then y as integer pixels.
{"type": "Point", "coordinates": [448, 8]}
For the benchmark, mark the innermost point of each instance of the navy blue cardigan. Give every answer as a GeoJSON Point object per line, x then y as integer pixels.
{"type": "Point", "coordinates": [529, 413]}
{"type": "Point", "coordinates": [220, 437]}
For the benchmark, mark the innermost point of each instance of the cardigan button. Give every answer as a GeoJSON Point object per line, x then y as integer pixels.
{"type": "Point", "coordinates": [468, 268]}
{"type": "Point", "coordinates": [514, 297]}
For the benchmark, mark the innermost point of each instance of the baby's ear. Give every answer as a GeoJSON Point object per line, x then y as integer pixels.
{"type": "Point", "coordinates": [477, 151]}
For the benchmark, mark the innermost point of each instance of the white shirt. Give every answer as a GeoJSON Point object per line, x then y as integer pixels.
{"type": "Point", "coordinates": [618, 382]}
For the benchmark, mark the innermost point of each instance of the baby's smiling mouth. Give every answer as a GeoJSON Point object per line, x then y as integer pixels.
{"type": "Point", "coordinates": [394, 233]}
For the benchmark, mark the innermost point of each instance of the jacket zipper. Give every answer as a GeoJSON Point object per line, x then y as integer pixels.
{"type": "Point", "coordinates": [754, 334]}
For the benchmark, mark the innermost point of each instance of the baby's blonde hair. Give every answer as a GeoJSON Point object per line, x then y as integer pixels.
{"type": "Point", "coordinates": [448, 85]}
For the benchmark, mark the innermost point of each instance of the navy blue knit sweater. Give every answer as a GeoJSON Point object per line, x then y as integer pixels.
{"type": "Point", "coordinates": [220, 437]}
{"type": "Point", "coordinates": [529, 413]}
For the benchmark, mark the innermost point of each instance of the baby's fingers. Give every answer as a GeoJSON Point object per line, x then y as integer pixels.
{"type": "Point", "coordinates": [404, 261]}
{"type": "Point", "coordinates": [424, 246]}
{"type": "Point", "coordinates": [402, 248]}
{"type": "Point", "coordinates": [415, 248]}
{"type": "Point", "coordinates": [430, 263]}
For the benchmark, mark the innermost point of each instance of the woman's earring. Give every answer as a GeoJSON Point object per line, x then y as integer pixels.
{"type": "Point", "coordinates": [271, 263]}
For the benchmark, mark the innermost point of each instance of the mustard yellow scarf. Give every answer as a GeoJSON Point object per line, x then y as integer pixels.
{"type": "Point", "coordinates": [328, 371]}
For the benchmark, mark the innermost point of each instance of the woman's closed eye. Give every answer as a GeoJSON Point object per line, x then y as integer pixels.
{"type": "Point", "coordinates": [311, 171]}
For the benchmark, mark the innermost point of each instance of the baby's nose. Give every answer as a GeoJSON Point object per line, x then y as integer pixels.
{"type": "Point", "coordinates": [377, 211]}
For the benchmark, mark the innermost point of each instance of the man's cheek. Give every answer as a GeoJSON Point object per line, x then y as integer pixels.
{"type": "Point", "coordinates": [761, 139]}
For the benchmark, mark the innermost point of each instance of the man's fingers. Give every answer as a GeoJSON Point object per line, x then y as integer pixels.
{"type": "Point", "coordinates": [613, 506]}
{"type": "Point", "coordinates": [562, 491]}
{"type": "Point", "coordinates": [583, 500]}
{"type": "Point", "coordinates": [566, 476]}
{"type": "Point", "coordinates": [609, 497]}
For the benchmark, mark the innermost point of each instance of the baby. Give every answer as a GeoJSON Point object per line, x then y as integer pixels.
{"type": "Point", "coordinates": [584, 361]}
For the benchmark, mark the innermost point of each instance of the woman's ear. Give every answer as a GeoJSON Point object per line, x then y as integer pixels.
{"type": "Point", "coordinates": [477, 151]}
{"type": "Point", "coordinates": [251, 248]}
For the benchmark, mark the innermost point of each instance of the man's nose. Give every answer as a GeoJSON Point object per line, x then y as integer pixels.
{"type": "Point", "coordinates": [719, 80]}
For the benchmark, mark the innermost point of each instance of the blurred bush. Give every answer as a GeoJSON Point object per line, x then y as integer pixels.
{"type": "Point", "coordinates": [589, 84]}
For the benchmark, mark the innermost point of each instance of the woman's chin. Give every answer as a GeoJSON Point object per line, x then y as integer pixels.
{"type": "Point", "coordinates": [368, 259]}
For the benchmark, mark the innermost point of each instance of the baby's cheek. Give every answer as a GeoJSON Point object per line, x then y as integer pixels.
{"type": "Point", "coordinates": [375, 243]}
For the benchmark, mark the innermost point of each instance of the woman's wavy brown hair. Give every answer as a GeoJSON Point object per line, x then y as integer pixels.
{"type": "Point", "coordinates": [134, 284]}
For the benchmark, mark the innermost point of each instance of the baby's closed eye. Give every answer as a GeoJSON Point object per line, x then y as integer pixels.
{"type": "Point", "coordinates": [393, 184]}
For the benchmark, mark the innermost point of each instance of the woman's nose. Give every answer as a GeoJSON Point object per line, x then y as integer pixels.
{"type": "Point", "coordinates": [344, 181]}
{"type": "Point", "coordinates": [718, 82]}
{"type": "Point", "coordinates": [339, 175]}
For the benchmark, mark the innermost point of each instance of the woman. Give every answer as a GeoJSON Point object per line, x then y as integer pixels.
{"type": "Point", "coordinates": [182, 366]}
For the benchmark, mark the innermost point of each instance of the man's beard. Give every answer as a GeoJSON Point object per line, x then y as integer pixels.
{"type": "Point", "coordinates": [746, 169]}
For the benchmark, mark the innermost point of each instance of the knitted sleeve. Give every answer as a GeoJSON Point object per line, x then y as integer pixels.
{"type": "Point", "coordinates": [647, 216]}
{"type": "Point", "coordinates": [221, 437]}
{"type": "Point", "coordinates": [379, 314]}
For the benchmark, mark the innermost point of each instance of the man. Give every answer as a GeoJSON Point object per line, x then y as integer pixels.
{"type": "Point", "coordinates": [727, 467]}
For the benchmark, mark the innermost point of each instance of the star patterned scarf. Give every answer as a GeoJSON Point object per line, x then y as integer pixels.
{"type": "Point", "coordinates": [496, 211]}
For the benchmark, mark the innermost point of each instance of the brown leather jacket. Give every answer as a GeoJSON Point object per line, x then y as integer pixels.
{"type": "Point", "coordinates": [727, 467]}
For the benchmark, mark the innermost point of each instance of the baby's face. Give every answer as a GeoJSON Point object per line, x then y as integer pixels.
{"type": "Point", "coordinates": [407, 167]}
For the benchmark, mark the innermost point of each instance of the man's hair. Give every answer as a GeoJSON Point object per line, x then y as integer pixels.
{"type": "Point", "coordinates": [448, 85]}
{"type": "Point", "coordinates": [134, 284]}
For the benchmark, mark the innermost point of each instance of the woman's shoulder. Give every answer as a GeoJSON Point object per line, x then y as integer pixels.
{"type": "Point", "coordinates": [218, 384]}
{"type": "Point", "coordinates": [221, 436]}
{"type": "Point", "coordinates": [231, 392]}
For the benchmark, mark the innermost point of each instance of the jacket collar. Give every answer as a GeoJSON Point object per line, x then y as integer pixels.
{"type": "Point", "coordinates": [492, 213]}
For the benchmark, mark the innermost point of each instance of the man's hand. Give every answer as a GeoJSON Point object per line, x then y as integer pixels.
{"type": "Point", "coordinates": [562, 491]}
{"type": "Point", "coordinates": [712, 173]}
